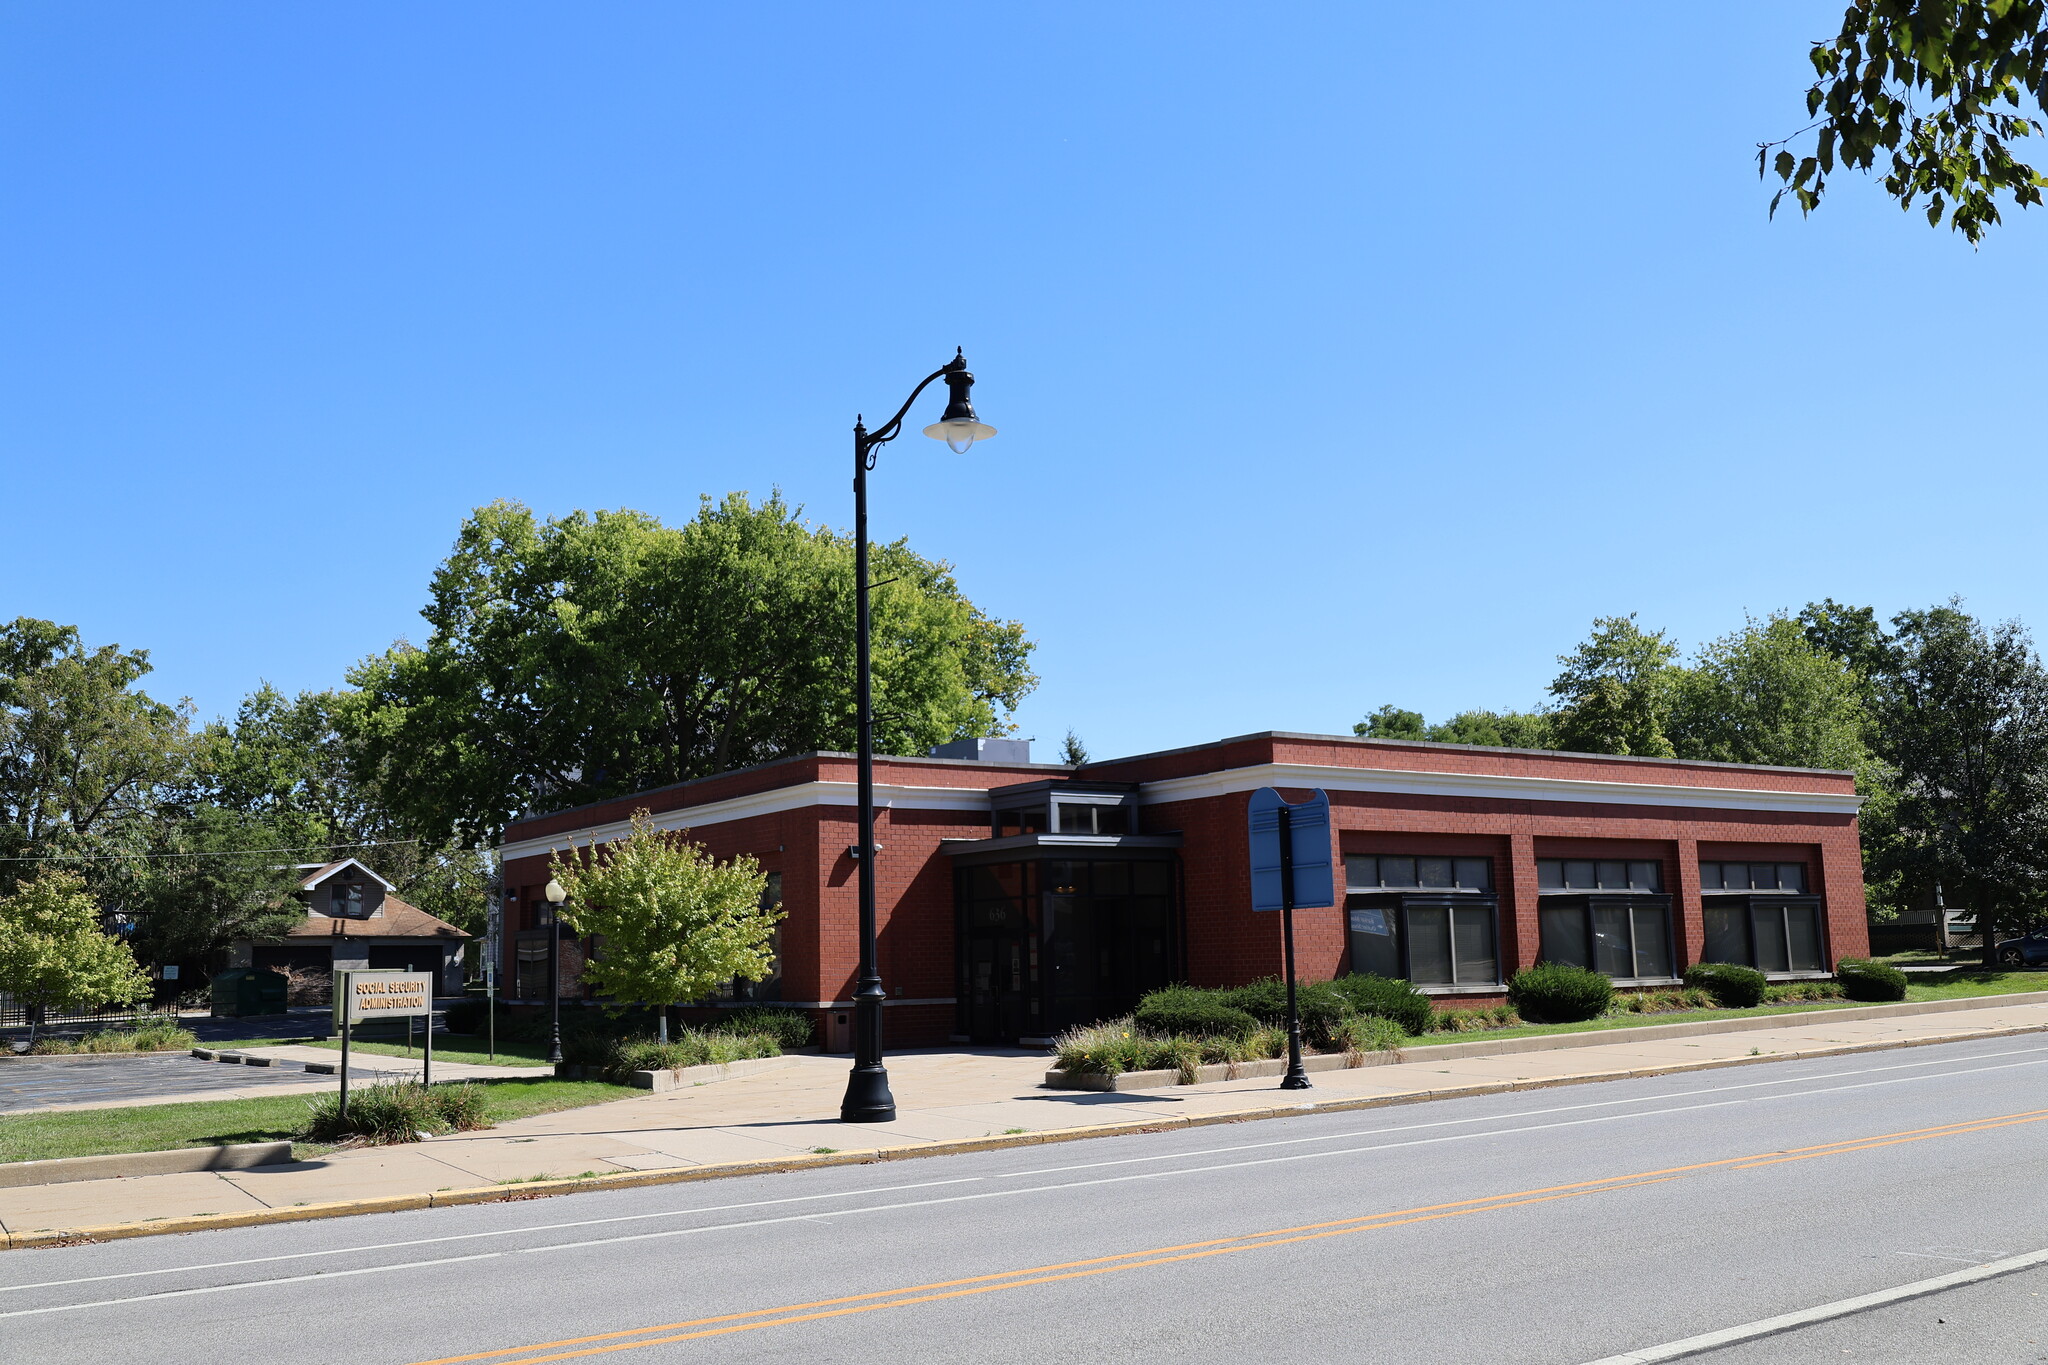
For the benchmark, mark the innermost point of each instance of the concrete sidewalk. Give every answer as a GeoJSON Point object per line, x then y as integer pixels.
{"type": "Point", "coordinates": [947, 1100]}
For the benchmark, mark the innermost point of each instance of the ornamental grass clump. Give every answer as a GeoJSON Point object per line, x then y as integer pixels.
{"type": "Point", "coordinates": [1793, 992]}
{"type": "Point", "coordinates": [1476, 1020]}
{"type": "Point", "coordinates": [150, 1034]}
{"type": "Point", "coordinates": [404, 1111]}
{"type": "Point", "coordinates": [1733, 987]}
{"type": "Point", "coordinates": [1558, 993]}
{"type": "Point", "coordinates": [1364, 1033]}
{"type": "Point", "coordinates": [1864, 980]}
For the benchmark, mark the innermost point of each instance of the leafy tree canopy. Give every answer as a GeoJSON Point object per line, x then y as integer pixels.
{"type": "Point", "coordinates": [1617, 690]}
{"type": "Point", "coordinates": [677, 925]}
{"type": "Point", "coordinates": [53, 953]}
{"type": "Point", "coordinates": [83, 754]}
{"type": "Point", "coordinates": [593, 656]}
{"type": "Point", "coordinates": [1940, 90]}
{"type": "Point", "coordinates": [1767, 694]}
{"type": "Point", "coordinates": [1499, 729]}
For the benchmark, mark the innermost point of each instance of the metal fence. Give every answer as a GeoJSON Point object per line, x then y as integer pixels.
{"type": "Point", "coordinates": [13, 1015]}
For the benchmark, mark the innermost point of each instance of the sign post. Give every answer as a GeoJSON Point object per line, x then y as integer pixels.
{"type": "Point", "coordinates": [1290, 863]}
{"type": "Point", "coordinates": [383, 995]}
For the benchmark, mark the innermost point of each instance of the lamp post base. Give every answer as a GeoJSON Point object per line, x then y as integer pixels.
{"type": "Point", "coordinates": [867, 1096]}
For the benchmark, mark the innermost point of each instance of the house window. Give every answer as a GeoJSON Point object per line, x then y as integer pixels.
{"type": "Point", "coordinates": [345, 900]}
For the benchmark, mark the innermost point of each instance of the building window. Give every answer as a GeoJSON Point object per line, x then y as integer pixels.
{"type": "Point", "coordinates": [1628, 938]}
{"type": "Point", "coordinates": [1088, 817]}
{"type": "Point", "coordinates": [1366, 872]}
{"type": "Point", "coordinates": [1770, 935]}
{"type": "Point", "coordinates": [1783, 878]}
{"type": "Point", "coordinates": [769, 987]}
{"type": "Point", "coordinates": [1429, 945]}
{"type": "Point", "coordinates": [345, 900]}
{"type": "Point", "coordinates": [1593, 874]}
{"type": "Point", "coordinates": [1023, 820]}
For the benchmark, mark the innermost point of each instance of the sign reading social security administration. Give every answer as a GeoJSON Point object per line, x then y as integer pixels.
{"type": "Point", "coordinates": [388, 995]}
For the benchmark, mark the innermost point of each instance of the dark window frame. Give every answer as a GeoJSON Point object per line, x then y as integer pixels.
{"type": "Point", "coordinates": [1563, 885]}
{"type": "Point", "coordinates": [1587, 902]}
{"type": "Point", "coordinates": [1749, 903]}
{"type": "Point", "coordinates": [1399, 901]}
{"type": "Point", "coordinates": [1379, 885]}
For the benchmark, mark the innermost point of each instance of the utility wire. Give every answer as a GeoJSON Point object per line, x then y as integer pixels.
{"type": "Point", "coordinates": [215, 853]}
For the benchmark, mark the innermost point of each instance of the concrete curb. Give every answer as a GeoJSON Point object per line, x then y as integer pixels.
{"type": "Point", "coordinates": [682, 1175]}
{"type": "Point", "coordinates": [1550, 1042]}
{"type": "Point", "coordinates": [234, 1156]}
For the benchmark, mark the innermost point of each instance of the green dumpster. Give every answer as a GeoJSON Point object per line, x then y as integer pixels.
{"type": "Point", "coordinates": [247, 990]}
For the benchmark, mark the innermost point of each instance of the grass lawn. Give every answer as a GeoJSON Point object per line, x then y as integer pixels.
{"type": "Point", "coordinates": [453, 1047]}
{"type": "Point", "coordinates": [1958, 984]}
{"type": "Point", "coordinates": [211, 1123]}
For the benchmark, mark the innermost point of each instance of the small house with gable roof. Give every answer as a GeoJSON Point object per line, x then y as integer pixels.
{"type": "Point", "coordinates": [355, 922]}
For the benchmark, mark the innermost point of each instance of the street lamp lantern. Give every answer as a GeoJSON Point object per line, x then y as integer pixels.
{"type": "Point", "coordinates": [867, 1097]}
{"type": "Point", "coordinates": [959, 428]}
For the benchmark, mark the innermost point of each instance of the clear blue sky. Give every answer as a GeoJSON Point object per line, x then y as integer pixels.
{"type": "Point", "coordinates": [1342, 353]}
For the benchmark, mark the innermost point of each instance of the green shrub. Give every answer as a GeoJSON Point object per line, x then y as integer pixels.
{"type": "Point", "coordinates": [1190, 1012]}
{"type": "Point", "coordinates": [791, 1029]}
{"type": "Point", "coordinates": [466, 1016]}
{"type": "Point", "coordinates": [399, 1112]}
{"type": "Point", "coordinates": [616, 1060]}
{"type": "Point", "coordinates": [1364, 993]}
{"type": "Point", "coordinates": [1864, 980]}
{"type": "Point", "coordinates": [1319, 1003]}
{"type": "Point", "coordinates": [1369, 1033]}
{"type": "Point", "coordinates": [1557, 993]}
{"type": "Point", "coordinates": [1733, 987]}
{"type": "Point", "coordinates": [150, 1033]}
{"type": "Point", "coordinates": [1119, 1045]}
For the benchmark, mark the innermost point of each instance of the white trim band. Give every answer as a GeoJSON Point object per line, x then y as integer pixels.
{"type": "Point", "coordinates": [1490, 786]}
{"type": "Point", "coordinates": [771, 802]}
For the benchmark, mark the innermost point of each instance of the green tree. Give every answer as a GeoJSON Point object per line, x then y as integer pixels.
{"type": "Point", "coordinates": [677, 925]}
{"type": "Point", "coordinates": [1496, 729]}
{"type": "Point", "coordinates": [1391, 722]}
{"type": "Point", "coordinates": [53, 953]}
{"type": "Point", "coordinates": [1765, 694]}
{"type": "Point", "coordinates": [1962, 716]}
{"type": "Point", "coordinates": [209, 876]}
{"type": "Point", "coordinates": [1940, 89]}
{"type": "Point", "coordinates": [593, 656]}
{"type": "Point", "coordinates": [1616, 692]}
{"type": "Point", "coordinates": [84, 756]}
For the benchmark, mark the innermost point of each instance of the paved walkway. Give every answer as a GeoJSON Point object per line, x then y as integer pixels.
{"type": "Point", "coordinates": [941, 1096]}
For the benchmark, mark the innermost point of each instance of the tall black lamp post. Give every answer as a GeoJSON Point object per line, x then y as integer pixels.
{"type": "Point", "coordinates": [556, 895]}
{"type": "Point", "coordinates": [867, 1089]}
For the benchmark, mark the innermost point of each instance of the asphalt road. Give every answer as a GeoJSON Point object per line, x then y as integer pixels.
{"type": "Point", "coordinates": [1563, 1225]}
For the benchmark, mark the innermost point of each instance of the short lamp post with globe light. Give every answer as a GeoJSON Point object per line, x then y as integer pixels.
{"type": "Point", "coordinates": [556, 894]}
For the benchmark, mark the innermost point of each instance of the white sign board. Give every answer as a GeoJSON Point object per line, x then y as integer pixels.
{"type": "Point", "coordinates": [386, 995]}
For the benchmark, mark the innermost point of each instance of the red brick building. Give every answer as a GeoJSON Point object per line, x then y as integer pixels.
{"type": "Point", "coordinates": [1016, 899]}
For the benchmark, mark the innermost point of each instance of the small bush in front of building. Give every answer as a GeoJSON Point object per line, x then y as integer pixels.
{"type": "Point", "coordinates": [1865, 980]}
{"type": "Point", "coordinates": [1319, 1003]}
{"type": "Point", "coordinates": [398, 1112]}
{"type": "Point", "coordinates": [1388, 998]}
{"type": "Point", "coordinates": [1189, 1011]}
{"type": "Point", "coordinates": [1733, 987]}
{"type": "Point", "coordinates": [1558, 993]}
{"type": "Point", "coordinates": [791, 1029]}
{"type": "Point", "coordinates": [622, 1057]}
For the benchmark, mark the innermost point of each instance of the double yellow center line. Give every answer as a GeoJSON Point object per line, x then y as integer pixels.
{"type": "Point", "coordinates": [667, 1333]}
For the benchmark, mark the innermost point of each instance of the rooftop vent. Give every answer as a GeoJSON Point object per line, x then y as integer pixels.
{"type": "Point", "coordinates": [986, 750]}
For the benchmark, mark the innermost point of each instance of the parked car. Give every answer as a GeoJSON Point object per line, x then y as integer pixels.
{"type": "Point", "coordinates": [2031, 950]}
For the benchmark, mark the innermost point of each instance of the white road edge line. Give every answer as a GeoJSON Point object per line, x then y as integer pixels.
{"type": "Point", "coordinates": [1840, 1308]}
